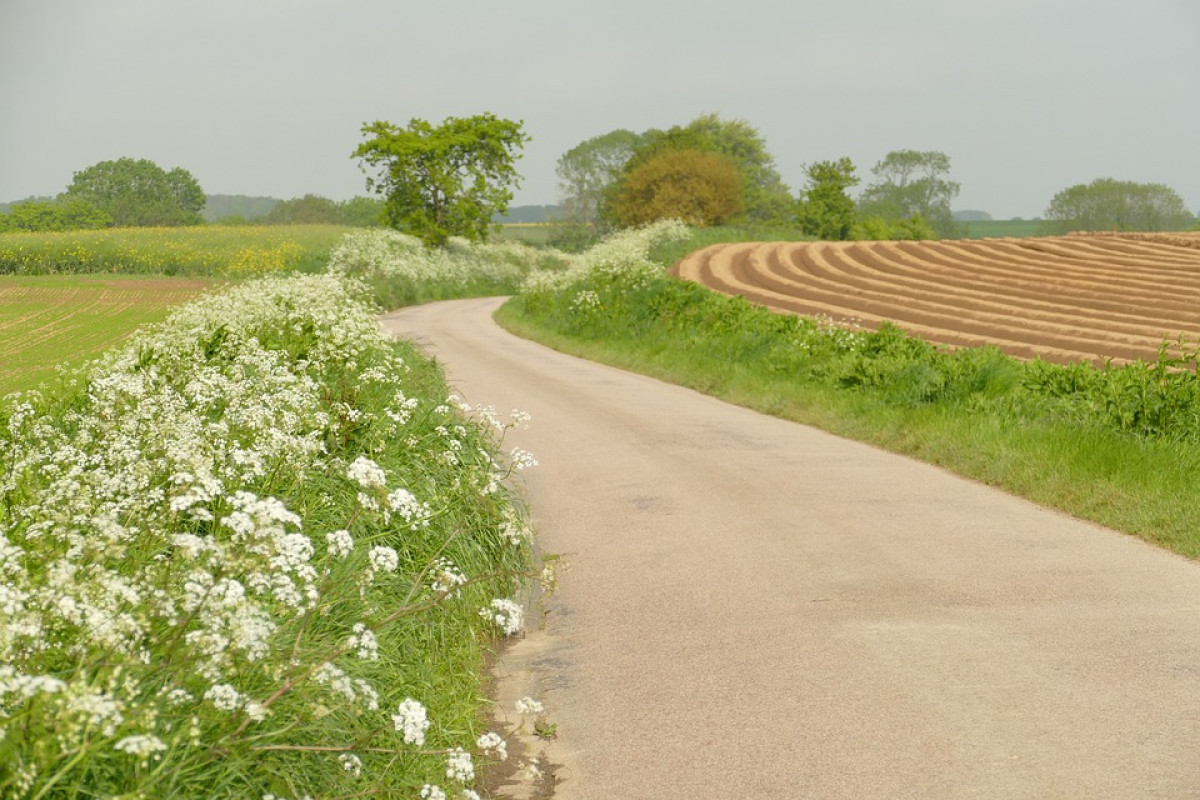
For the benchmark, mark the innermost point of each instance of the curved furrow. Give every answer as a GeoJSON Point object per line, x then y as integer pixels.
{"type": "Point", "coordinates": [995, 321]}
{"type": "Point", "coordinates": [1041, 300]}
{"type": "Point", "coordinates": [1038, 264]}
{"type": "Point", "coordinates": [1160, 255]}
{"type": "Point", "coordinates": [1080, 253]}
{"type": "Point", "coordinates": [941, 269]}
{"type": "Point", "coordinates": [961, 264]}
{"type": "Point", "coordinates": [1047, 272]}
{"type": "Point", "coordinates": [943, 325]}
{"type": "Point", "coordinates": [1063, 308]}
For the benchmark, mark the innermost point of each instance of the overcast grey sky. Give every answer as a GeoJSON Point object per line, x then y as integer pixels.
{"type": "Point", "coordinates": [267, 97]}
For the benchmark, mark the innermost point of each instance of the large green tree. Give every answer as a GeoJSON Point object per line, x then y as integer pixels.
{"type": "Point", "coordinates": [588, 171]}
{"type": "Point", "coordinates": [1108, 204]}
{"type": "Point", "coordinates": [764, 195]}
{"type": "Point", "coordinates": [446, 180]}
{"type": "Point", "coordinates": [912, 183]}
{"type": "Point", "coordinates": [825, 210]}
{"type": "Point", "coordinates": [698, 187]}
{"type": "Point", "coordinates": [139, 192]}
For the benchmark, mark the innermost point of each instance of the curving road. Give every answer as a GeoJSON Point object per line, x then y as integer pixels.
{"type": "Point", "coordinates": [759, 609]}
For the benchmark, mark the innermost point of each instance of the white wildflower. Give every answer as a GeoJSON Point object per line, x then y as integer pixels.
{"type": "Point", "coordinates": [224, 697]}
{"type": "Point", "coordinates": [367, 473]}
{"type": "Point", "coordinates": [384, 558]}
{"type": "Point", "coordinates": [404, 503]}
{"type": "Point", "coordinates": [459, 766]}
{"type": "Point", "coordinates": [351, 763]}
{"type": "Point", "coordinates": [140, 745]}
{"type": "Point", "coordinates": [430, 792]}
{"type": "Point", "coordinates": [492, 744]}
{"type": "Point", "coordinates": [412, 720]}
{"type": "Point", "coordinates": [506, 614]}
{"type": "Point", "coordinates": [256, 711]}
{"type": "Point", "coordinates": [364, 643]}
{"type": "Point", "coordinates": [370, 697]}
{"type": "Point", "coordinates": [522, 459]}
{"type": "Point", "coordinates": [445, 577]}
{"type": "Point", "coordinates": [527, 706]}
{"type": "Point", "coordinates": [340, 543]}
{"type": "Point", "coordinates": [366, 501]}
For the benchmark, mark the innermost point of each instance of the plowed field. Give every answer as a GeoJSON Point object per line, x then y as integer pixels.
{"type": "Point", "coordinates": [1066, 298]}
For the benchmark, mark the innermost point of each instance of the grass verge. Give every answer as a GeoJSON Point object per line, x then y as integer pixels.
{"type": "Point", "coordinates": [254, 552]}
{"type": "Point", "coordinates": [1117, 446]}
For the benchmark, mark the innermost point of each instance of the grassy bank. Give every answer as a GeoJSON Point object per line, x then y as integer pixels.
{"type": "Point", "coordinates": [1118, 446]}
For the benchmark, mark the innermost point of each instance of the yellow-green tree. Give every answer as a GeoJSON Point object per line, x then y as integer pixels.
{"type": "Point", "coordinates": [698, 187]}
{"type": "Point", "coordinates": [443, 181]}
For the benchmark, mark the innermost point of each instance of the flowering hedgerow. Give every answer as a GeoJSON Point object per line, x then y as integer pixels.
{"type": "Point", "coordinates": [403, 270]}
{"type": "Point", "coordinates": [252, 553]}
{"type": "Point", "coordinates": [601, 281]}
{"type": "Point", "coordinates": [623, 257]}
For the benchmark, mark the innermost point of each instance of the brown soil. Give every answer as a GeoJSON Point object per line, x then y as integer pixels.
{"type": "Point", "coordinates": [1087, 297]}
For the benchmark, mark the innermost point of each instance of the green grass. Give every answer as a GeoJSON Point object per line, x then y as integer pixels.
{"type": "Point", "coordinates": [52, 319]}
{"type": "Point", "coordinates": [234, 250]}
{"type": "Point", "coordinates": [534, 234]}
{"type": "Point", "coordinates": [1004, 228]}
{"type": "Point", "coordinates": [1118, 447]}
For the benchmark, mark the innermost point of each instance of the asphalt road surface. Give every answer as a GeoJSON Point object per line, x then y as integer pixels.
{"type": "Point", "coordinates": [758, 609]}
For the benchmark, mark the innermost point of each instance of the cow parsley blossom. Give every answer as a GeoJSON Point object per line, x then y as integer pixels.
{"type": "Point", "coordinates": [493, 744]}
{"type": "Point", "coordinates": [363, 643]}
{"type": "Point", "coordinates": [506, 615]}
{"type": "Point", "coordinates": [367, 473]}
{"type": "Point", "coordinates": [412, 720]}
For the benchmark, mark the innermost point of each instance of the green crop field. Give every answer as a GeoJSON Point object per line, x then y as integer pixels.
{"type": "Point", "coordinates": [47, 320]}
{"type": "Point", "coordinates": [233, 250]}
{"type": "Point", "coordinates": [1005, 228]}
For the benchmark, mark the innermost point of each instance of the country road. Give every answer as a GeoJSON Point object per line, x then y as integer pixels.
{"type": "Point", "coordinates": [759, 609]}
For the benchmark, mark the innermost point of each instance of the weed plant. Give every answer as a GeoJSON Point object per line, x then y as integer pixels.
{"type": "Point", "coordinates": [256, 552]}
{"type": "Point", "coordinates": [1117, 444]}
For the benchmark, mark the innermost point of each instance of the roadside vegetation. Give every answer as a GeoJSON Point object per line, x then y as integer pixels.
{"type": "Point", "coordinates": [1117, 445]}
{"type": "Point", "coordinates": [257, 551]}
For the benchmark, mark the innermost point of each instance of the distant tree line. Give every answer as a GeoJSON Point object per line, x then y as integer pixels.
{"type": "Point", "coordinates": [1108, 204]}
{"type": "Point", "coordinates": [457, 179]}
{"type": "Point", "coordinates": [714, 171]}
{"type": "Point", "coordinates": [136, 192]}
